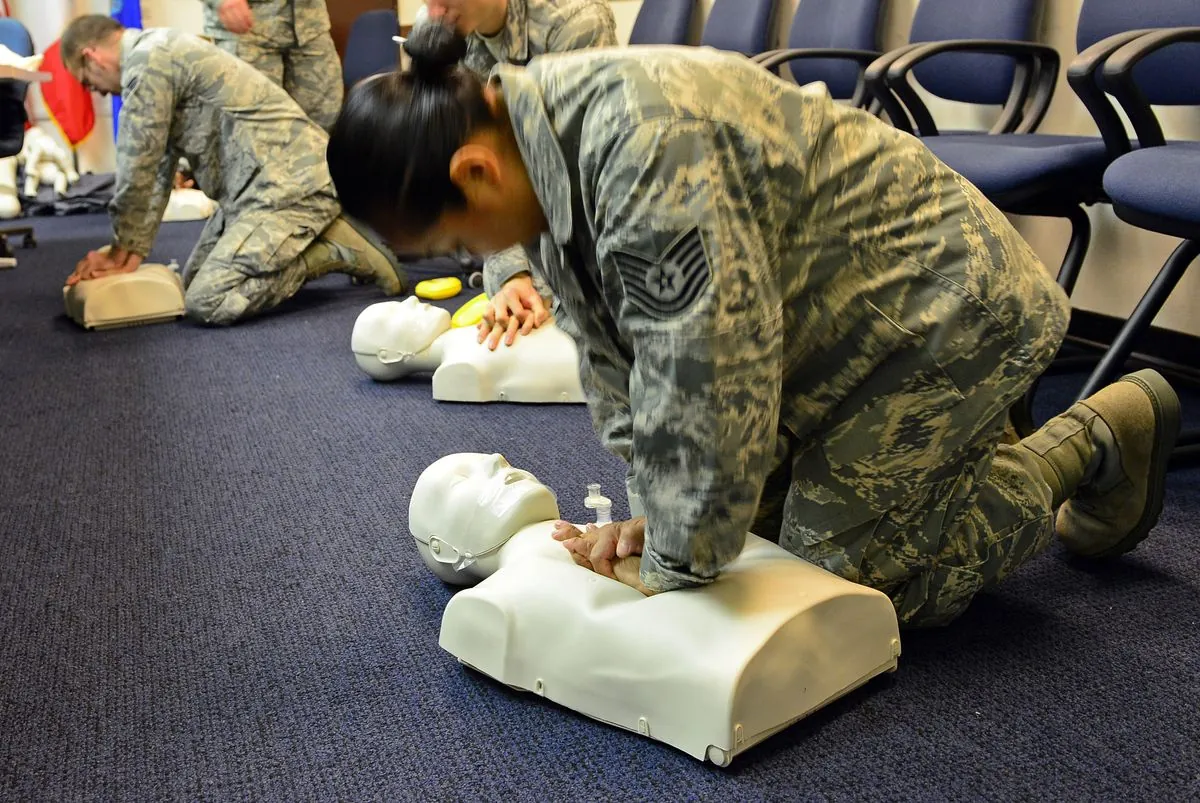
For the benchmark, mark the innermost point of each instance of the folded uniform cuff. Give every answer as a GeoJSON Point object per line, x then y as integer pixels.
{"type": "Point", "coordinates": [658, 576]}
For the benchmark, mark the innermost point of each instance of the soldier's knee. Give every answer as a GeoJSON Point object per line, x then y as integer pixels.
{"type": "Point", "coordinates": [213, 309]}
{"type": "Point", "coordinates": [936, 597]}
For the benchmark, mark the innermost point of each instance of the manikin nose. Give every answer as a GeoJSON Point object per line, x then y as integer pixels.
{"type": "Point", "coordinates": [495, 462]}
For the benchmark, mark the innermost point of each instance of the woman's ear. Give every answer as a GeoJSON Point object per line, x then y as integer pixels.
{"type": "Point", "coordinates": [475, 169]}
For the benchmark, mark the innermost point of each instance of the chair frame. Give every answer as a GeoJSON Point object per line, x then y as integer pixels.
{"type": "Point", "coordinates": [1120, 83]}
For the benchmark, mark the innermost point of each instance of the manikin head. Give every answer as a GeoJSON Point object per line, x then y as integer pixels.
{"type": "Point", "coordinates": [485, 17]}
{"type": "Point", "coordinates": [91, 52]}
{"type": "Point", "coordinates": [389, 336]}
{"type": "Point", "coordinates": [428, 157]}
{"type": "Point", "coordinates": [466, 506]}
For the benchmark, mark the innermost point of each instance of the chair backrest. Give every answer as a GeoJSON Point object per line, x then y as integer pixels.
{"type": "Point", "coordinates": [971, 77]}
{"type": "Point", "coordinates": [850, 24]}
{"type": "Point", "coordinates": [12, 118]}
{"type": "Point", "coordinates": [15, 37]}
{"type": "Point", "coordinates": [663, 22]}
{"type": "Point", "coordinates": [740, 26]}
{"type": "Point", "coordinates": [369, 46]}
{"type": "Point", "coordinates": [1169, 77]}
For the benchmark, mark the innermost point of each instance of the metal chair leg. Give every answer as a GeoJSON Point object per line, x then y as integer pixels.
{"type": "Point", "coordinates": [1077, 248]}
{"type": "Point", "coordinates": [1141, 318]}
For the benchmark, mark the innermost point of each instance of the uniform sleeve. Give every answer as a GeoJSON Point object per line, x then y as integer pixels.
{"type": "Point", "coordinates": [591, 26]}
{"type": "Point", "coordinates": [606, 385]}
{"type": "Point", "coordinates": [144, 167]}
{"type": "Point", "coordinates": [688, 279]}
{"type": "Point", "coordinates": [502, 266]}
{"type": "Point", "coordinates": [212, 7]}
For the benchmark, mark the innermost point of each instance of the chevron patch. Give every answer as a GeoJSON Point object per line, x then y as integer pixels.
{"type": "Point", "coordinates": [669, 286]}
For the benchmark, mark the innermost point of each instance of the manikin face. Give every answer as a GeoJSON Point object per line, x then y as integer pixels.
{"type": "Point", "coordinates": [472, 503]}
{"type": "Point", "coordinates": [395, 331]}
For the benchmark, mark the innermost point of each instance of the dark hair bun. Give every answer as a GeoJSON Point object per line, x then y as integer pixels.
{"type": "Point", "coordinates": [435, 49]}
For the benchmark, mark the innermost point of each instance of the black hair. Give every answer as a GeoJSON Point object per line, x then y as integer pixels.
{"type": "Point", "coordinates": [86, 31]}
{"type": "Point", "coordinates": [389, 150]}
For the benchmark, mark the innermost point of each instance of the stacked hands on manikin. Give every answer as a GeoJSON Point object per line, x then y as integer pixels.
{"type": "Point", "coordinates": [613, 550]}
{"type": "Point", "coordinates": [516, 309]}
{"type": "Point", "coordinates": [104, 262]}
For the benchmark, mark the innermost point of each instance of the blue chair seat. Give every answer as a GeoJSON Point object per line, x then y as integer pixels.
{"type": "Point", "coordinates": [1159, 183]}
{"type": "Point", "coordinates": [1006, 165]}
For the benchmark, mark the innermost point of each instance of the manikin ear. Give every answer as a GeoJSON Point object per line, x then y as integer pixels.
{"type": "Point", "coordinates": [475, 169]}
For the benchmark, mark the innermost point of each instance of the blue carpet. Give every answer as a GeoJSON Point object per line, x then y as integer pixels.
{"type": "Point", "coordinates": [208, 591]}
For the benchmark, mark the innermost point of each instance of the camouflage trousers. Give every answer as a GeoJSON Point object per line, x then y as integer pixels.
{"type": "Point", "coordinates": [248, 263]}
{"type": "Point", "coordinates": [311, 73]}
{"type": "Point", "coordinates": [939, 507]}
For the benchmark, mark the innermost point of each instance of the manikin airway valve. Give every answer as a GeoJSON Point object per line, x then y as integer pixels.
{"type": "Point", "coordinates": [601, 504]}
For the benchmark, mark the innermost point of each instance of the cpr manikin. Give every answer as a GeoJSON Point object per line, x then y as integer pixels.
{"type": "Point", "coordinates": [394, 339]}
{"type": "Point", "coordinates": [710, 670]}
{"type": "Point", "coordinates": [151, 294]}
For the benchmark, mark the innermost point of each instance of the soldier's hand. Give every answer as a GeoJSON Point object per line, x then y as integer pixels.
{"type": "Point", "coordinates": [601, 546]}
{"type": "Point", "coordinates": [235, 15]}
{"type": "Point", "coordinates": [98, 264]}
{"type": "Point", "coordinates": [629, 571]}
{"type": "Point", "coordinates": [447, 11]}
{"type": "Point", "coordinates": [625, 570]}
{"type": "Point", "coordinates": [516, 309]}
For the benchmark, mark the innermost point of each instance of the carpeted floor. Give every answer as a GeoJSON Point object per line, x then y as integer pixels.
{"type": "Point", "coordinates": [208, 592]}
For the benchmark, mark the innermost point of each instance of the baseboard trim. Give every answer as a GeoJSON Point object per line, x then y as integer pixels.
{"type": "Point", "coordinates": [1166, 348]}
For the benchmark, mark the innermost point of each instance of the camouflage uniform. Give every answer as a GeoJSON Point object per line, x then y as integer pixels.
{"type": "Point", "coordinates": [291, 45]}
{"type": "Point", "coordinates": [794, 321]}
{"type": "Point", "coordinates": [536, 27]}
{"type": "Point", "coordinates": [252, 150]}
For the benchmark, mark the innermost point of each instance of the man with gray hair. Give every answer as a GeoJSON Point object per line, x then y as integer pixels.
{"type": "Point", "coordinates": [252, 150]}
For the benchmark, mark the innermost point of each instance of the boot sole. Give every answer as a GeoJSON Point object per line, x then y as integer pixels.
{"type": "Point", "coordinates": [1167, 417]}
{"type": "Point", "coordinates": [369, 235]}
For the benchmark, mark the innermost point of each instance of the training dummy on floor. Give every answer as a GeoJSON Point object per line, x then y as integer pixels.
{"type": "Point", "coordinates": [395, 339]}
{"type": "Point", "coordinates": [710, 671]}
{"type": "Point", "coordinates": [151, 294]}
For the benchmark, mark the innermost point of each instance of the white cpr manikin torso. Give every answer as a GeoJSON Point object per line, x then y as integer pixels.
{"type": "Point", "coordinates": [393, 339]}
{"type": "Point", "coordinates": [151, 294]}
{"type": "Point", "coordinates": [710, 671]}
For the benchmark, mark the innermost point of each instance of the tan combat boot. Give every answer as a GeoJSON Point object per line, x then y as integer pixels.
{"type": "Point", "coordinates": [1117, 507]}
{"type": "Point", "coordinates": [1107, 460]}
{"type": "Point", "coordinates": [344, 248]}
